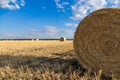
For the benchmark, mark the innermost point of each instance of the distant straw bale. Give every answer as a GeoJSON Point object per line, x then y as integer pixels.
{"type": "Point", "coordinates": [97, 41]}
{"type": "Point", "coordinates": [62, 39]}
{"type": "Point", "coordinates": [37, 39]}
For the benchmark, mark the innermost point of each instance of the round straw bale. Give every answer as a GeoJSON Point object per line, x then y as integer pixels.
{"type": "Point", "coordinates": [62, 39]}
{"type": "Point", "coordinates": [37, 39]}
{"type": "Point", "coordinates": [97, 41]}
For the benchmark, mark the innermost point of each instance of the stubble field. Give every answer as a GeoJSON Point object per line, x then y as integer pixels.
{"type": "Point", "coordinates": [41, 60]}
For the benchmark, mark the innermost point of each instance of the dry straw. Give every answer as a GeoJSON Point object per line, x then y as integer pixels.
{"type": "Point", "coordinates": [97, 41]}
{"type": "Point", "coordinates": [62, 39]}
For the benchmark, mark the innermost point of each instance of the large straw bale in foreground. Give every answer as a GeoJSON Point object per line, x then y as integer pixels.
{"type": "Point", "coordinates": [97, 41]}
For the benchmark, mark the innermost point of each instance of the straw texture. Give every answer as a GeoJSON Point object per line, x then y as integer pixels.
{"type": "Point", "coordinates": [97, 41]}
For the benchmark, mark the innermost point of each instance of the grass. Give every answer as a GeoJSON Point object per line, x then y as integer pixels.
{"type": "Point", "coordinates": [42, 60]}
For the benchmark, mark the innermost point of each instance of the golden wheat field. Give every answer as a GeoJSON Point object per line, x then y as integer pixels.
{"type": "Point", "coordinates": [42, 60]}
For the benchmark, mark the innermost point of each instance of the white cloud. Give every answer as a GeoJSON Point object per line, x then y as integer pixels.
{"type": "Point", "coordinates": [71, 24]}
{"type": "Point", "coordinates": [69, 33]}
{"type": "Point", "coordinates": [51, 32]}
{"type": "Point", "coordinates": [11, 4]}
{"type": "Point", "coordinates": [22, 3]}
{"type": "Point", "coordinates": [54, 32]}
{"type": "Point", "coordinates": [65, 3]}
{"type": "Point", "coordinates": [82, 8]}
{"type": "Point", "coordinates": [47, 32]}
{"type": "Point", "coordinates": [8, 34]}
{"type": "Point", "coordinates": [60, 4]}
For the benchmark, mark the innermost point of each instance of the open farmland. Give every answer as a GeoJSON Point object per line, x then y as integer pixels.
{"type": "Point", "coordinates": [40, 60]}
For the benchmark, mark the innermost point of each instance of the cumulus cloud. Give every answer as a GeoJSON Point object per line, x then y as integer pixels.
{"type": "Point", "coordinates": [71, 24]}
{"type": "Point", "coordinates": [48, 32]}
{"type": "Point", "coordinates": [11, 4]}
{"type": "Point", "coordinates": [69, 33]}
{"type": "Point", "coordinates": [51, 32]}
{"type": "Point", "coordinates": [11, 35]}
{"type": "Point", "coordinates": [22, 3]}
{"type": "Point", "coordinates": [60, 4]}
{"type": "Point", "coordinates": [81, 8]}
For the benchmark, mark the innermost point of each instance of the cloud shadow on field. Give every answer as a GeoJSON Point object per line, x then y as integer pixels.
{"type": "Point", "coordinates": [58, 64]}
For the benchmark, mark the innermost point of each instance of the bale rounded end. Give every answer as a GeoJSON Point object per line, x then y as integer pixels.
{"type": "Point", "coordinates": [97, 41]}
{"type": "Point", "coordinates": [62, 39]}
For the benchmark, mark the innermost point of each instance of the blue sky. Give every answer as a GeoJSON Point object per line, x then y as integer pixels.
{"type": "Point", "coordinates": [46, 18]}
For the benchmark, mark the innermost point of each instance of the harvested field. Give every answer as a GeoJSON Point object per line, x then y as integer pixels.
{"type": "Point", "coordinates": [41, 60]}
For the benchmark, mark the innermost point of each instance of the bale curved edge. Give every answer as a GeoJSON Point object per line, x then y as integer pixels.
{"type": "Point", "coordinates": [97, 41]}
{"type": "Point", "coordinates": [62, 39]}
